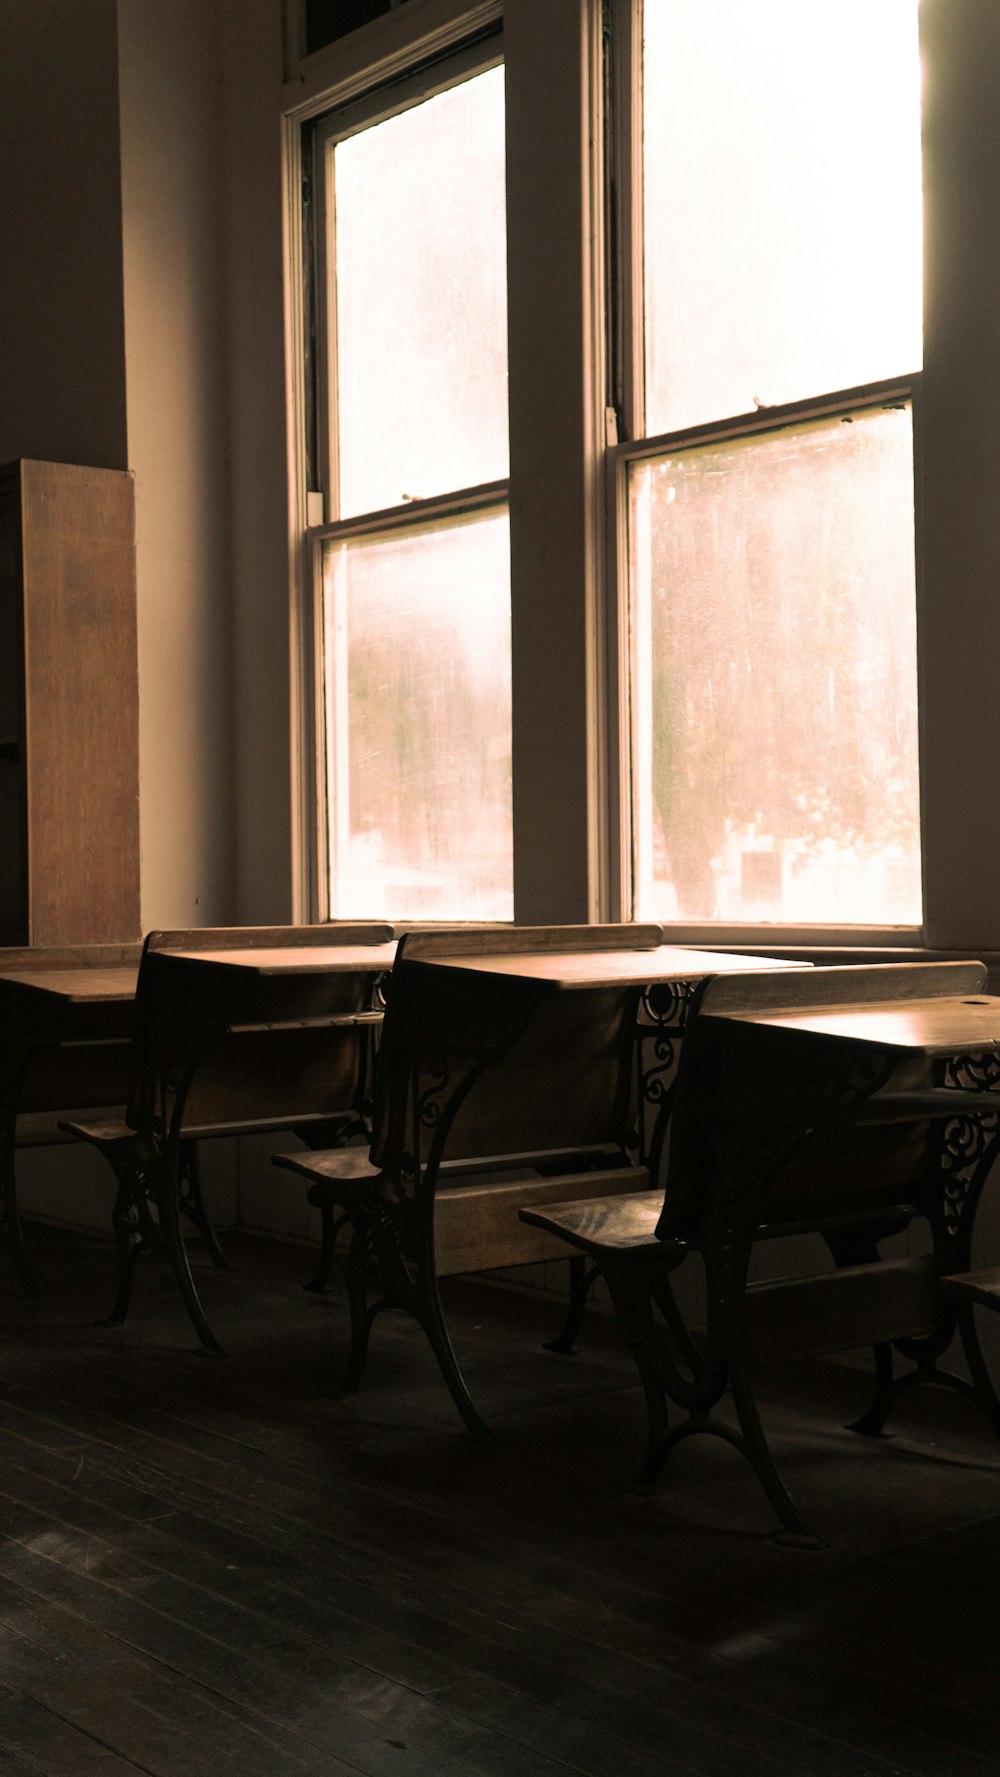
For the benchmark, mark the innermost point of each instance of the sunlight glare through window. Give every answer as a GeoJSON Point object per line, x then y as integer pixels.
{"type": "Point", "coordinates": [782, 202]}
{"type": "Point", "coordinates": [418, 675]}
{"type": "Point", "coordinates": [421, 300]}
{"type": "Point", "coordinates": [773, 577]}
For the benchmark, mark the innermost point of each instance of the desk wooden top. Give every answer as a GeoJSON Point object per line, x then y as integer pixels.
{"type": "Point", "coordinates": [562, 969]}
{"type": "Point", "coordinates": [298, 959]}
{"type": "Point", "coordinates": [946, 1026]}
{"type": "Point", "coordinates": [568, 969]}
{"type": "Point", "coordinates": [83, 986]}
{"type": "Point", "coordinates": [104, 986]}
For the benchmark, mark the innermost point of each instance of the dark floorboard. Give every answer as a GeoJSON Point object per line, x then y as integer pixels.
{"type": "Point", "coordinates": [211, 1567]}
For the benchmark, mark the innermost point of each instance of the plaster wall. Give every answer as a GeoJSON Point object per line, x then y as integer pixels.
{"type": "Point", "coordinates": [176, 402]}
{"type": "Point", "coordinates": [62, 373]}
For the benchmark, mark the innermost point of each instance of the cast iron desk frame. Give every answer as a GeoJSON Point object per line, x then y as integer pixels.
{"type": "Point", "coordinates": [771, 1084]}
{"type": "Point", "coordinates": [192, 1007]}
{"type": "Point", "coordinates": [857, 1050]}
{"type": "Point", "coordinates": [482, 1004]}
{"type": "Point", "coordinates": [63, 1015]}
{"type": "Point", "coordinates": [64, 1043]}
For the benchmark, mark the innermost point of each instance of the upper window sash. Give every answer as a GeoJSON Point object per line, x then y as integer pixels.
{"type": "Point", "coordinates": [328, 132]}
{"type": "Point", "coordinates": [796, 237]}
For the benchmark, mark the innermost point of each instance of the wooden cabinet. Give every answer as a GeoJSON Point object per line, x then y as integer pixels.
{"type": "Point", "coordinates": [69, 706]}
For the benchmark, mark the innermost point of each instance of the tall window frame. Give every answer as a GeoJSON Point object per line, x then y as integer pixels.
{"type": "Point", "coordinates": [401, 86]}
{"type": "Point", "coordinates": [570, 426]}
{"type": "Point", "coordinates": [630, 445]}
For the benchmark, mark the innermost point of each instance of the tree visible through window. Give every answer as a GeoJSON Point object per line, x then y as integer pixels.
{"type": "Point", "coordinates": [771, 560]}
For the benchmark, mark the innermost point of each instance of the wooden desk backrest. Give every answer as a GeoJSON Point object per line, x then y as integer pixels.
{"type": "Point", "coordinates": [522, 1067]}
{"type": "Point", "coordinates": [504, 940]}
{"type": "Point", "coordinates": [69, 956]}
{"type": "Point", "coordinates": [717, 1133]}
{"type": "Point", "coordinates": [853, 984]}
{"type": "Point", "coordinates": [273, 937]}
{"type": "Point", "coordinates": [274, 997]}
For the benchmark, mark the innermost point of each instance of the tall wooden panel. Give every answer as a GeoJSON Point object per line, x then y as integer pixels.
{"type": "Point", "coordinates": [69, 706]}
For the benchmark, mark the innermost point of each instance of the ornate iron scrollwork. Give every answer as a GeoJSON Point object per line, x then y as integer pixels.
{"type": "Point", "coordinates": [662, 1017]}
{"type": "Point", "coordinates": [429, 1104]}
{"type": "Point", "coordinates": [966, 1142]}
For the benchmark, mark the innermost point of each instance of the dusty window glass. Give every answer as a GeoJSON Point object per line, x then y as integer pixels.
{"type": "Point", "coordinates": [418, 677]}
{"type": "Point", "coordinates": [418, 208]}
{"type": "Point", "coordinates": [775, 676]}
{"type": "Point", "coordinates": [782, 202]}
{"type": "Point", "coordinates": [416, 611]}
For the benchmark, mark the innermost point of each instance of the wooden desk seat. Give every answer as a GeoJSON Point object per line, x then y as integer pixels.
{"type": "Point", "coordinates": [48, 1129]}
{"type": "Point", "coordinates": [492, 1093]}
{"type": "Point", "coordinates": [771, 1137]}
{"type": "Point", "coordinates": [231, 1037]}
{"type": "Point", "coordinates": [60, 1055]}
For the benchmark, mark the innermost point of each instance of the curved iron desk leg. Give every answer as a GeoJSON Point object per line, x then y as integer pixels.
{"type": "Point", "coordinates": [131, 1222]}
{"type": "Point", "coordinates": [193, 1203]}
{"type": "Point", "coordinates": [12, 1223]}
{"type": "Point", "coordinates": [871, 1423]}
{"type": "Point", "coordinates": [357, 1300]}
{"type": "Point", "coordinates": [431, 1317]}
{"type": "Point", "coordinates": [795, 1531]}
{"type": "Point", "coordinates": [862, 1249]}
{"type": "Point", "coordinates": [330, 1226]}
{"type": "Point", "coordinates": [581, 1280]}
{"type": "Point", "coordinates": [983, 1390]}
{"type": "Point", "coordinates": [168, 1201]}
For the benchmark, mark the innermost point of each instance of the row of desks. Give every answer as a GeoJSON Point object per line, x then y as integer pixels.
{"type": "Point", "coordinates": [72, 1057]}
{"type": "Point", "coordinates": [508, 1049]}
{"type": "Point", "coordinates": [97, 1002]}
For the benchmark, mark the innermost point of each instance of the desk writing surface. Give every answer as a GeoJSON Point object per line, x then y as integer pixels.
{"type": "Point", "coordinates": [300, 959]}
{"type": "Point", "coordinates": [82, 986]}
{"type": "Point", "coordinates": [943, 1026]}
{"type": "Point", "coordinates": [569, 969]}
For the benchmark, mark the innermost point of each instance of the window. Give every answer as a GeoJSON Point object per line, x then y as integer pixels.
{"type": "Point", "coordinates": [411, 453]}
{"type": "Point", "coordinates": [666, 664]}
{"type": "Point", "coordinates": [768, 377]}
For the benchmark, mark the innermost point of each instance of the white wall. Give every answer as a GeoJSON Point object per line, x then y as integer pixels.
{"type": "Point", "coordinates": [112, 307]}
{"type": "Point", "coordinates": [176, 363]}
{"type": "Point", "coordinates": [62, 388]}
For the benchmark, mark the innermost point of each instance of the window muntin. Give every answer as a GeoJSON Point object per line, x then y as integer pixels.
{"type": "Point", "coordinates": [413, 568]}
{"type": "Point", "coordinates": [749, 559]}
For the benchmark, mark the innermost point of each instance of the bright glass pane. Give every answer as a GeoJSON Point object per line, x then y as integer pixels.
{"type": "Point", "coordinates": [419, 734]}
{"type": "Point", "coordinates": [774, 667]}
{"type": "Point", "coordinates": [419, 248]}
{"type": "Point", "coordinates": [782, 202]}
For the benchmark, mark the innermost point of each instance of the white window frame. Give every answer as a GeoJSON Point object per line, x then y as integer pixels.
{"type": "Point", "coordinates": [570, 828]}
{"type": "Point", "coordinates": [626, 404]}
{"type": "Point", "coordinates": [425, 62]}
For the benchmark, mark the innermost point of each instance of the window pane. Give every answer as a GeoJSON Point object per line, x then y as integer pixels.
{"type": "Point", "coordinates": [419, 735]}
{"type": "Point", "coordinates": [774, 644]}
{"type": "Point", "coordinates": [782, 201]}
{"type": "Point", "coordinates": [421, 296]}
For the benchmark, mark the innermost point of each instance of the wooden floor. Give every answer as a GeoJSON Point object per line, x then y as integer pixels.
{"type": "Point", "coordinates": [208, 1568]}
